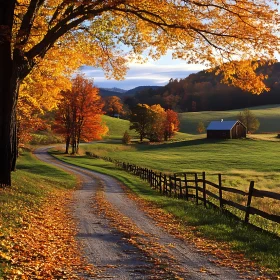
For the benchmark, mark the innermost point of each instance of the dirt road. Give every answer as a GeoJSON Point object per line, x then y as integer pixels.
{"type": "Point", "coordinates": [106, 248]}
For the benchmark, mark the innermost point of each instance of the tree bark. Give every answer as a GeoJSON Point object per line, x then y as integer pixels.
{"type": "Point", "coordinates": [8, 88]}
{"type": "Point", "coordinates": [67, 145]}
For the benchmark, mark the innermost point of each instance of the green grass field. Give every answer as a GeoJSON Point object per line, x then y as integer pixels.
{"type": "Point", "coordinates": [268, 116]}
{"type": "Point", "coordinates": [239, 161]}
{"type": "Point", "coordinates": [117, 127]}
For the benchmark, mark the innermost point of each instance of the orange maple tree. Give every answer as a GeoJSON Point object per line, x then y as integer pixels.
{"type": "Point", "coordinates": [113, 106]}
{"type": "Point", "coordinates": [79, 114]}
{"type": "Point", "coordinates": [171, 124]}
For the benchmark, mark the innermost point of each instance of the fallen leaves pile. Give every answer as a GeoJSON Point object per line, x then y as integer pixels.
{"type": "Point", "coordinates": [164, 265]}
{"type": "Point", "coordinates": [44, 246]}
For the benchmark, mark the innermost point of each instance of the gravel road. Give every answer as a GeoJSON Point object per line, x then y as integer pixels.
{"type": "Point", "coordinates": [106, 248]}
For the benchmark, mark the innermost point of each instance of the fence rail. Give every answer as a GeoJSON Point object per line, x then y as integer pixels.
{"type": "Point", "coordinates": [195, 186]}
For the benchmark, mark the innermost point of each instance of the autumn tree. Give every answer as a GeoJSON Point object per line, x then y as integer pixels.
{"type": "Point", "coordinates": [200, 127]}
{"type": "Point", "coordinates": [113, 106]}
{"type": "Point", "coordinates": [140, 120]}
{"type": "Point", "coordinates": [249, 119]}
{"type": "Point", "coordinates": [153, 122]}
{"type": "Point", "coordinates": [171, 124]}
{"type": "Point", "coordinates": [79, 114]}
{"type": "Point", "coordinates": [157, 117]}
{"type": "Point", "coordinates": [231, 33]}
{"type": "Point", "coordinates": [28, 119]}
{"type": "Point", "coordinates": [126, 138]}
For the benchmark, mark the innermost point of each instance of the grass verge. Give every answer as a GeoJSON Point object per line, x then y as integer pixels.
{"type": "Point", "coordinates": [261, 247]}
{"type": "Point", "coordinates": [33, 182]}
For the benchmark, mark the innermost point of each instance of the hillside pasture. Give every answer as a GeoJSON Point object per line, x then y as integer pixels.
{"type": "Point", "coordinates": [268, 116]}
{"type": "Point", "coordinates": [239, 161]}
{"type": "Point", "coordinates": [117, 127]}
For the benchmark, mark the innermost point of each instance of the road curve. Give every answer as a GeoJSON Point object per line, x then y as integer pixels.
{"type": "Point", "coordinates": [106, 248]}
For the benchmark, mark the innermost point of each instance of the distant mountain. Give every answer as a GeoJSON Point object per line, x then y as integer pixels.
{"type": "Point", "coordinates": [114, 89]}
{"type": "Point", "coordinates": [139, 89]}
{"type": "Point", "coordinates": [105, 92]}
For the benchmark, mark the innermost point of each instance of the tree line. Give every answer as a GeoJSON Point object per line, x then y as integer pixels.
{"type": "Point", "coordinates": [204, 91]}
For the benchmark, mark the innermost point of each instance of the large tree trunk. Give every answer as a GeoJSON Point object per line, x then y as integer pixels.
{"type": "Point", "coordinates": [9, 87]}
{"type": "Point", "coordinates": [8, 94]}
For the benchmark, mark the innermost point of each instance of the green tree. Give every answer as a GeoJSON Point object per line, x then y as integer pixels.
{"type": "Point", "coordinates": [249, 120]}
{"type": "Point", "coordinates": [140, 120]}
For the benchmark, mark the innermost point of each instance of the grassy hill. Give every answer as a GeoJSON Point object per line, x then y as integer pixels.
{"type": "Point", "coordinates": [117, 127]}
{"type": "Point", "coordinates": [269, 117]}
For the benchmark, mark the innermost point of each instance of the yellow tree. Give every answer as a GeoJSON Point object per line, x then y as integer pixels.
{"type": "Point", "coordinates": [199, 31]}
{"type": "Point", "coordinates": [156, 123]}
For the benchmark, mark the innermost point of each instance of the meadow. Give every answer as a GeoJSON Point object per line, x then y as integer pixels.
{"type": "Point", "coordinates": [268, 117]}
{"type": "Point", "coordinates": [239, 161]}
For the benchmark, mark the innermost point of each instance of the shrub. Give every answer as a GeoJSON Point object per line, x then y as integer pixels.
{"type": "Point", "coordinates": [126, 138]}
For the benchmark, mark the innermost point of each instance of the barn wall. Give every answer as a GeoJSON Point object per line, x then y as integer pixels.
{"type": "Point", "coordinates": [218, 134]}
{"type": "Point", "coordinates": [238, 131]}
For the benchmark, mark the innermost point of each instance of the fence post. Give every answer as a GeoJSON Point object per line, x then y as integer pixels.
{"type": "Point", "coordinates": [175, 186]}
{"type": "Point", "coordinates": [180, 185]}
{"type": "Point", "coordinates": [160, 186]}
{"type": "Point", "coordinates": [251, 189]}
{"type": "Point", "coordinates": [186, 187]}
{"type": "Point", "coordinates": [220, 191]}
{"type": "Point", "coordinates": [204, 188]}
{"type": "Point", "coordinates": [196, 188]}
{"type": "Point", "coordinates": [165, 184]}
{"type": "Point", "coordinates": [170, 186]}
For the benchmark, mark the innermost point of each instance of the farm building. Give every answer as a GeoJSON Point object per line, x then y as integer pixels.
{"type": "Point", "coordinates": [226, 129]}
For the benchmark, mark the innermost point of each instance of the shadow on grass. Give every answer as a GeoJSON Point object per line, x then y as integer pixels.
{"type": "Point", "coordinates": [186, 143]}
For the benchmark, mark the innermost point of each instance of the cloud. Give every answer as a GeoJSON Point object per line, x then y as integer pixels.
{"type": "Point", "coordinates": [149, 73]}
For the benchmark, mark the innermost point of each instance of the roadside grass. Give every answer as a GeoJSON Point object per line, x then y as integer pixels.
{"type": "Point", "coordinates": [268, 116]}
{"type": "Point", "coordinates": [31, 184]}
{"type": "Point", "coordinates": [262, 247]}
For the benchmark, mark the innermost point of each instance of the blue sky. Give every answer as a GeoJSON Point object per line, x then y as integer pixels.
{"type": "Point", "coordinates": [151, 73]}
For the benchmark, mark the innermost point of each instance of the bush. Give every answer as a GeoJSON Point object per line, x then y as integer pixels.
{"type": "Point", "coordinates": [126, 138]}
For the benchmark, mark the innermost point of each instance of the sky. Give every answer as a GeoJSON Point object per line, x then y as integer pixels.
{"type": "Point", "coordinates": [151, 73]}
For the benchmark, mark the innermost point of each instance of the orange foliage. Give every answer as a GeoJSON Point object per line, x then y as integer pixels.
{"type": "Point", "coordinates": [79, 114]}
{"type": "Point", "coordinates": [171, 124]}
{"type": "Point", "coordinates": [113, 106]}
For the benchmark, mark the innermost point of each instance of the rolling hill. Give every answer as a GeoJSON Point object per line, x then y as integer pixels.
{"type": "Point", "coordinates": [269, 117]}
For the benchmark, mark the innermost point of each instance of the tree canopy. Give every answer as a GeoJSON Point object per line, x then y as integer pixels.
{"type": "Point", "coordinates": [218, 32]}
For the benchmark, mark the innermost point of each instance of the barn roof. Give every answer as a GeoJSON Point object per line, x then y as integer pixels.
{"type": "Point", "coordinates": [221, 125]}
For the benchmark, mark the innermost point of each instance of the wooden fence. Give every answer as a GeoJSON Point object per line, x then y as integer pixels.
{"type": "Point", "coordinates": [194, 186]}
